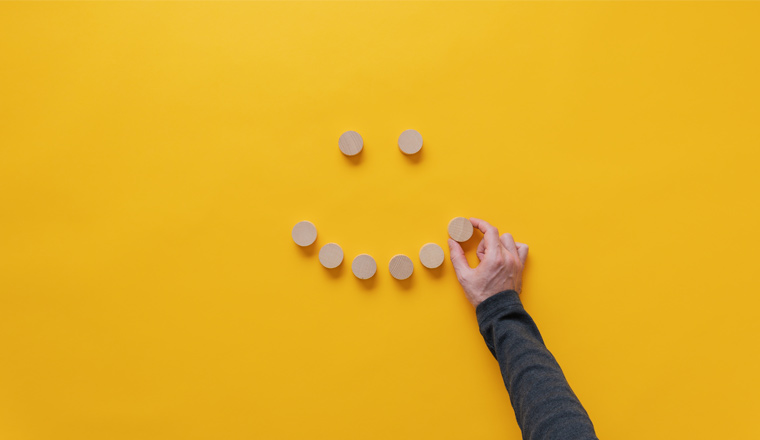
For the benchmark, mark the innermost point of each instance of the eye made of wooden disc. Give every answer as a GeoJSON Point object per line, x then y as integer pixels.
{"type": "Point", "coordinates": [350, 143]}
{"type": "Point", "coordinates": [410, 142]}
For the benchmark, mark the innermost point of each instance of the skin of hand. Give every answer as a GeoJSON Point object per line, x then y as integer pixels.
{"type": "Point", "coordinates": [500, 268]}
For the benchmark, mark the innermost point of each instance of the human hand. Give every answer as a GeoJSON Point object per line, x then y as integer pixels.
{"type": "Point", "coordinates": [501, 264]}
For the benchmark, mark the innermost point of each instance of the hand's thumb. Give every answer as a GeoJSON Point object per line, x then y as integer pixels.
{"type": "Point", "coordinates": [457, 257]}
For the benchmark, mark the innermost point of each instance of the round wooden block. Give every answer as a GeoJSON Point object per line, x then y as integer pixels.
{"type": "Point", "coordinates": [460, 229]}
{"type": "Point", "coordinates": [364, 266]}
{"type": "Point", "coordinates": [401, 267]}
{"type": "Point", "coordinates": [410, 141]}
{"type": "Point", "coordinates": [331, 255]}
{"type": "Point", "coordinates": [431, 256]}
{"type": "Point", "coordinates": [350, 143]}
{"type": "Point", "coordinates": [304, 233]}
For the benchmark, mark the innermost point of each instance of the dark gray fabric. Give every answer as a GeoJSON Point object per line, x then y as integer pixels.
{"type": "Point", "coordinates": [544, 403]}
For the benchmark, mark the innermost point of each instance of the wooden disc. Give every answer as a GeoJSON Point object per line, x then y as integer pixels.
{"type": "Point", "coordinates": [331, 255]}
{"type": "Point", "coordinates": [401, 267]}
{"type": "Point", "coordinates": [460, 229]}
{"type": "Point", "coordinates": [364, 266]}
{"type": "Point", "coordinates": [431, 256]}
{"type": "Point", "coordinates": [304, 233]}
{"type": "Point", "coordinates": [350, 143]}
{"type": "Point", "coordinates": [410, 141]}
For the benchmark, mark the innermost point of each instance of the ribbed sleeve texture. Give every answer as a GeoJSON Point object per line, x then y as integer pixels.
{"type": "Point", "coordinates": [545, 405]}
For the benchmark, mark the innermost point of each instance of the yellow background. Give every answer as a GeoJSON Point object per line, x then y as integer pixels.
{"type": "Point", "coordinates": [155, 156]}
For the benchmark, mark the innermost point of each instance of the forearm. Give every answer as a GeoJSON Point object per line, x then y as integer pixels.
{"type": "Point", "coordinates": [544, 403]}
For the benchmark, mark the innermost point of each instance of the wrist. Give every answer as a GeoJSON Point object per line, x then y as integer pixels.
{"type": "Point", "coordinates": [496, 303]}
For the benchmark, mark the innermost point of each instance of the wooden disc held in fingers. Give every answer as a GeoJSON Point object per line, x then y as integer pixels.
{"type": "Point", "coordinates": [304, 233]}
{"type": "Point", "coordinates": [401, 267]}
{"type": "Point", "coordinates": [460, 229]}
{"type": "Point", "coordinates": [350, 143]}
{"type": "Point", "coordinates": [431, 256]}
{"type": "Point", "coordinates": [410, 141]}
{"type": "Point", "coordinates": [364, 266]}
{"type": "Point", "coordinates": [331, 255]}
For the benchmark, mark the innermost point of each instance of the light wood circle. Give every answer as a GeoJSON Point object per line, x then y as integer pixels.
{"type": "Point", "coordinates": [410, 141]}
{"type": "Point", "coordinates": [304, 233]}
{"type": "Point", "coordinates": [331, 255]}
{"type": "Point", "coordinates": [460, 229]}
{"type": "Point", "coordinates": [350, 143]}
{"type": "Point", "coordinates": [364, 266]}
{"type": "Point", "coordinates": [401, 267]}
{"type": "Point", "coordinates": [431, 256]}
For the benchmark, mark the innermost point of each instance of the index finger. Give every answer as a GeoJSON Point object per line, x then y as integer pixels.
{"type": "Point", "coordinates": [491, 233]}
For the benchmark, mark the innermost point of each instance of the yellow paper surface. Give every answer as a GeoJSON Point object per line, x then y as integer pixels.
{"type": "Point", "coordinates": [155, 156]}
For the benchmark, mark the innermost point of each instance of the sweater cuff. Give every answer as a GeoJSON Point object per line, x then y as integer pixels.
{"type": "Point", "coordinates": [495, 305]}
